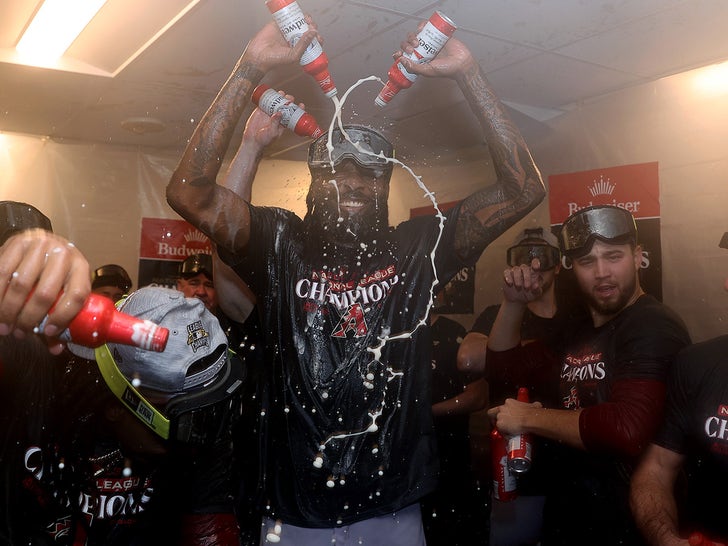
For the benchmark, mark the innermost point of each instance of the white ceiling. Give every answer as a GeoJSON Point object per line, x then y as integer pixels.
{"type": "Point", "coordinates": [543, 57]}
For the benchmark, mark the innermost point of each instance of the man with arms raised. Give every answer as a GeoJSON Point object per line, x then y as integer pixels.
{"type": "Point", "coordinates": [343, 298]}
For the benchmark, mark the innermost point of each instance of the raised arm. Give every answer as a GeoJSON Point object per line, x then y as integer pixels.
{"type": "Point", "coordinates": [236, 299]}
{"type": "Point", "coordinates": [490, 211]}
{"type": "Point", "coordinates": [193, 191]}
{"type": "Point", "coordinates": [521, 285]}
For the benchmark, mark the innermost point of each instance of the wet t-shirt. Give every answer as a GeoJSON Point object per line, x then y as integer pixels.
{"type": "Point", "coordinates": [696, 425]}
{"type": "Point", "coordinates": [348, 406]}
{"type": "Point", "coordinates": [587, 491]}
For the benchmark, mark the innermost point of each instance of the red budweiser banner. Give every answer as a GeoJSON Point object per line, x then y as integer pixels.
{"type": "Point", "coordinates": [632, 187]}
{"type": "Point", "coordinates": [635, 188]}
{"type": "Point", "coordinates": [164, 244]}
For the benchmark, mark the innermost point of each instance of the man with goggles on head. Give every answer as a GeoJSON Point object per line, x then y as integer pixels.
{"type": "Point", "coordinates": [519, 521]}
{"type": "Point", "coordinates": [110, 280]}
{"type": "Point", "coordinates": [135, 447]}
{"type": "Point", "coordinates": [350, 443]}
{"type": "Point", "coordinates": [603, 378]}
{"type": "Point", "coordinates": [691, 443]}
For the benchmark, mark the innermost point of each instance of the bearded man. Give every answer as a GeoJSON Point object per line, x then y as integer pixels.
{"type": "Point", "coordinates": [349, 443]}
{"type": "Point", "coordinates": [601, 380]}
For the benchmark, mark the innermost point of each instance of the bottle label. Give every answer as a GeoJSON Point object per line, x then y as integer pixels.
{"type": "Point", "coordinates": [431, 42]}
{"type": "Point", "coordinates": [291, 21]}
{"type": "Point", "coordinates": [271, 102]}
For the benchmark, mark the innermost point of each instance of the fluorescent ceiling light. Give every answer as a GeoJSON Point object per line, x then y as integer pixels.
{"type": "Point", "coordinates": [55, 27]}
{"type": "Point", "coordinates": [713, 79]}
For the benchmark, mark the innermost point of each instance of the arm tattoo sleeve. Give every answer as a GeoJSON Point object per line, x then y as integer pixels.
{"type": "Point", "coordinates": [519, 189]}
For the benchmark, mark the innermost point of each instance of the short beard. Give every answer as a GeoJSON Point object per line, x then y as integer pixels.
{"type": "Point", "coordinates": [350, 231]}
{"type": "Point", "coordinates": [608, 309]}
{"type": "Point", "coordinates": [323, 224]}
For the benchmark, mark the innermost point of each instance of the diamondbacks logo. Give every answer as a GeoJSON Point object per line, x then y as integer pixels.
{"type": "Point", "coordinates": [352, 321]}
{"type": "Point", "coordinates": [197, 336]}
{"type": "Point", "coordinates": [571, 401]}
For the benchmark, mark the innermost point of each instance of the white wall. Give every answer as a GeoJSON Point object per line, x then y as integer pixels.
{"type": "Point", "coordinates": [97, 194]}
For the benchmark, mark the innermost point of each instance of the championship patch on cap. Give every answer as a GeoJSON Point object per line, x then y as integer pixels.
{"type": "Point", "coordinates": [196, 349]}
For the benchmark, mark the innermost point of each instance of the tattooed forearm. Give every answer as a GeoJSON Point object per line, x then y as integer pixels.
{"type": "Point", "coordinates": [489, 212]}
{"type": "Point", "coordinates": [208, 143]}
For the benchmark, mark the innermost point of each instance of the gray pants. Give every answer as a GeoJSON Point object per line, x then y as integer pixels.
{"type": "Point", "coordinates": [402, 528]}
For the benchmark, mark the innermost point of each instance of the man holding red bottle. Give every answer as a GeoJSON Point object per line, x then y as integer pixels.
{"type": "Point", "coordinates": [350, 441]}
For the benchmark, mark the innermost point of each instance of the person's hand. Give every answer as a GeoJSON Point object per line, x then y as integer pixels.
{"type": "Point", "coordinates": [37, 266]}
{"type": "Point", "coordinates": [522, 283]}
{"type": "Point", "coordinates": [453, 60]}
{"type": "Point", "coordinates": [269, 48]}
{"type": "Point", "coordinates": [262, 129]}
{"type": "Point", "coordinates": [511, 417]}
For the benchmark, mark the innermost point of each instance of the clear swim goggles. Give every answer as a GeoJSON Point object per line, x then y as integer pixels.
{"type": "Point", "coordinates": [196, 417]}
{"type": "Point", "coordinates": [605, 222]}
{"type": "Point", "coordinates": [365, 146]}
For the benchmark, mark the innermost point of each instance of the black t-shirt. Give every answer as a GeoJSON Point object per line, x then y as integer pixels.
{"type": "Point", "coordinates": [533, 327]}
{"type": "Point", "coordinates": [696, 425]}
{"type": "Point", "coordinates": [348, 416]}
{"type": "Point", "coordinates": [63, 468]}
{"type": "Point", "coordinates": [587, 491]}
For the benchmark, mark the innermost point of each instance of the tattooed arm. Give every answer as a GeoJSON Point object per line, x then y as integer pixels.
{"type": "Point", "coordinates": [489, 212]}
{"type": "Point", "coordinates": [193, 192]}
{"type": "Point", "coordinates": [236, 298]}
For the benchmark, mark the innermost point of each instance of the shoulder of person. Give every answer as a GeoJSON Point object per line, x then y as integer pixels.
{"type": "Point", "coordinates": [709, 353]}
{"type": "Point", "coordinates": [654, 312]}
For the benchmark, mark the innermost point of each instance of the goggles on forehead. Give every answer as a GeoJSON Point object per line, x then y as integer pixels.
{"type": "Point", "coordinates": [112, 274]}
{"type": "Point", "coordinates": [363, 145]}
{"type": "Point", "coordinates": [195, 418]}
{"type": "Point", "coordinates": [523, 254]}
{"type": "Point", "coordinates": [605, 222]}
{"type": "Point", "coordinates": [196, 264]}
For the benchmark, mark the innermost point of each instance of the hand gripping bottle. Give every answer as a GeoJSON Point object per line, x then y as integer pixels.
{"type": "Point", "coordinates": [99, 322]}
{"type": "Point", "coordinates": [432, 38]}
{"type": "Point", "coordinates": [293, 117]}
{"type": "Point", "coordinates": [504, 481]}
{"type": "Point", "coordinates": [289, 18]}
{"type": "Point", "coordinates": [519, 446]}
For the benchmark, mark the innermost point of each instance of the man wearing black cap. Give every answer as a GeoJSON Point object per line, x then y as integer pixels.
{"type": "Point", "coordinates": [606, 372]}
{"type": "Point", "coordinates": [110, 280]}
{"type": "Point", "coordinates": [344, 300]}
{"type": "Point", "coordinates": [692, 441]}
